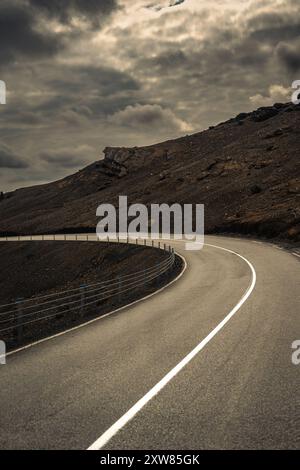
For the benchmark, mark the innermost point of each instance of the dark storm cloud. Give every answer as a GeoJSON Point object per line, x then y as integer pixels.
{"type": "Point", "coordinates": [274, 26]}
{"type": "Point", "coordinates": [289, 55]}
{"type": "Point", "coordinates": [80, 93]}
{"type": "Point", "coordinates": [152, 71]}
{"type": "Point", "coordinates": [231, 52]}
{"type": "Point", "coordinates": [275, 34]}
{"type": "Point", "coordinates": [66, 95]}
{"type": "Point", "coordinates": [107, 81]}
{"type": "Point", "coordinates": [8, 159]}
{"type": "Point", "coordinates": [21, 34]}
{"type": "Point", "coordinates": [172, 59]}
{"type": "Point", "coordinates": [19, 37]}
{"type": "Point", "coordinates": [148, 116]}
{"type": "Point", "coordinates": [173, 3]}
{"type": "Point", "coordinates": [160, 5]}
{"type": "Point", "coordinates": [64, 10]}
{"type": "Point", "coordinates": [64, 158]}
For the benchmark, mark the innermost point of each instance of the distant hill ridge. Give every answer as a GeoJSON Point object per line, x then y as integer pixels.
{"type": "Point", "coordinates": [246, 171]}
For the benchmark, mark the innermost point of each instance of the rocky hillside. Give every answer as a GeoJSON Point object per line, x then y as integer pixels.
{"type": "Point", "coordinates": [246, 171]}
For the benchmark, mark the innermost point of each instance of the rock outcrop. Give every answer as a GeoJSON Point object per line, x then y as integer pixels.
{"type": "Point", "coordinates": [119, 161]}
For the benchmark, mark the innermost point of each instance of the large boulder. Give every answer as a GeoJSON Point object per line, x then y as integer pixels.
{"type": "Point", "coordinates": [121, 160]}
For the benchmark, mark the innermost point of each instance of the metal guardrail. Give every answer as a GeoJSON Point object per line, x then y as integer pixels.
{"type": "Point", "coordinates": [16, 315]}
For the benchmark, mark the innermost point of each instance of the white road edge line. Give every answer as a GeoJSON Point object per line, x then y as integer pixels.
{"type": "Point", "coordinates": [101, 317]}
{"type": "Point", "coordinates": [131, 413]}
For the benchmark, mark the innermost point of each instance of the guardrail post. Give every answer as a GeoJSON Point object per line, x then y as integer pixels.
{"type": "Point", "coordinates": [19, 320]}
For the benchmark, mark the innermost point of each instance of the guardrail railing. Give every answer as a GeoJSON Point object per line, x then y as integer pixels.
{"type": "Point", "coordinates": [17, 315]}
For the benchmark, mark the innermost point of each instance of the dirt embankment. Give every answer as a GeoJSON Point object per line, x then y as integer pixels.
{"type": "Point", "coordinates": [29, 269]}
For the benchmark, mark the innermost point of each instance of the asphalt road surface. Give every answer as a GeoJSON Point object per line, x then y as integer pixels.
{"type": "Point", "coordinates": [238, 390]}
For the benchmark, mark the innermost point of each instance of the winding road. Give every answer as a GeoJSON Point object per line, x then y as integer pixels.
{"type": "Point", "coordinates": [204, 364]}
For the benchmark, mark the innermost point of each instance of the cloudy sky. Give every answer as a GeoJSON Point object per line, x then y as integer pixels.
{"type": "Point", "coordinates": [85, 74]}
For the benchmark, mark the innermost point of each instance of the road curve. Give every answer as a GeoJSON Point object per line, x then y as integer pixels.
{"type": "Point", "coordinates": [240, 390]}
